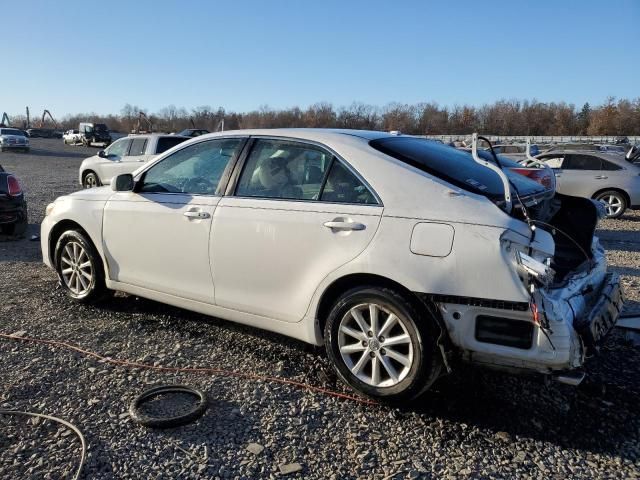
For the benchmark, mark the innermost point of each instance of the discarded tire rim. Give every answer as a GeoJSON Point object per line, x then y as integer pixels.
{"type": "Point", "coordinates": [167, 422]}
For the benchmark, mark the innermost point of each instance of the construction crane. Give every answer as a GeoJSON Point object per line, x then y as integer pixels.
{"type": "Point", "coordinates": [143, 117]}
{"type": "Point", "coordinates": [5, 122]}
{"type": "Point", "coordinates": [28, 125]}
{"type": "Point", "coordinates": [44, 115]}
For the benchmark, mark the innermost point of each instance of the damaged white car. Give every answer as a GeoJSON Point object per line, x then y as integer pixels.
{"type": "Point", "coordinates": [402, 256]}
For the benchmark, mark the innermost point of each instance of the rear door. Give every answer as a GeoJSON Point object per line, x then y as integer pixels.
{"type": "Point", "coordinates": [582, 173]}
{"type": "Point", "coordinates": [296, 214]}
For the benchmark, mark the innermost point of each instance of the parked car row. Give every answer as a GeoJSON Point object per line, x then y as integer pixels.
{"type": "Point", "coordinates": [376, 246]}
{"type": "Point", "coordinates": [13, 205]}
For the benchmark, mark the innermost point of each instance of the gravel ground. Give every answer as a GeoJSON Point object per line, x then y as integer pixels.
{"type": "Point", "coordinates": [475, 424]}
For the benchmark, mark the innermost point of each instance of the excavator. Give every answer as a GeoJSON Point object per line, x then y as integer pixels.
{"type": "Point", "coordinates": [143, 117]}
{"type": "Point", "coordinates": [5, 122]}
{"type": "Point", "coordinates": [44, 116]}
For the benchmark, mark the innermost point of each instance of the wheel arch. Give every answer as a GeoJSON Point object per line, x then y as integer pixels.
{"type": "Point", "coordinates": [614, 189]}
{"type": "Point", "coordinates": [56, 233]}
{"type": "Point", "coordinates": [347, 282]}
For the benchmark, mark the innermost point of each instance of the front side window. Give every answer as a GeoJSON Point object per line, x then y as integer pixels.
{"type": "Point", "coordinates": [284, 169]}
{"type": "Point", "coordinates": [138, 146]}
{"type": "Point", "coordinates": [196, 169]}
{"type": "Point", "coordinates": [554, 161]}
{"type": "Point", "coordinates": [119, 148]}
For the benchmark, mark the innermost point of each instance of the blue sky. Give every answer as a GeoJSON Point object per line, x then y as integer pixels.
{"type": "Point", "coordinates": [96, 56]}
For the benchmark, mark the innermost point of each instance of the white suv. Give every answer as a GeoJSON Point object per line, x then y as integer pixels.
{"type": "Point", "coordinates": [125, 155]}
{"type": "Point", "coordinates": [403, 256]}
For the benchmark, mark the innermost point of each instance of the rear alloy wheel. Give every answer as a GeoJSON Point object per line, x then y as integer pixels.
{"type": "Point", "coordinates": [615, 203]}
{"type": "Point", "coordinates": [91, 180]}
{"type": "Point", "coordinates": [79, 267]}
{"type": "Point", "coordinates": [381, 345]}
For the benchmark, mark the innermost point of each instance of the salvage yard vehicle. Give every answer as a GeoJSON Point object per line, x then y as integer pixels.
{"type": "Point", "coordinates": [193, 132]}
{"type": "Point", "coordinates": [402, 256]}
{"type": "Point", "coordinates": [13, 139]}
{"type": "Point", "coordinates": [13, 205]}
{"type": "Point", "coordinates": [607, 177]}
{"type": "Point", "coordinates": [91, 133]}
{"type": "Point", "coordinates": [72, 137]}
{"type": "Point", "coordinates": [125, 155]}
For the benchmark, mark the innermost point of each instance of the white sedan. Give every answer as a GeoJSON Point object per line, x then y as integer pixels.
{"type": "Point", "coordinates": [402, 256]}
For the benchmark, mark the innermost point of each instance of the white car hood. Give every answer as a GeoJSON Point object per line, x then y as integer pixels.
{"type": "Point", "coordinates": [93, 194]}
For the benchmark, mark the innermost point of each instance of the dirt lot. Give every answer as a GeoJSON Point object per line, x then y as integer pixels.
{"type": "Point", "coordinates": [475, 424]}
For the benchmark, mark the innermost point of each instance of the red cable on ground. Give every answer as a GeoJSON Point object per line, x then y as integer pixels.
{"type": "Point", "coordinates": [211, 371]}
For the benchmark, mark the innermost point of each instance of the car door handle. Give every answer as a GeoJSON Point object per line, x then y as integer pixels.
{"type": "Point", "coordinates": [196, 214]}
{"type": "Point", "coordinates": [342, 225]}
{"type": "Point", "coordinates": [601, 177]}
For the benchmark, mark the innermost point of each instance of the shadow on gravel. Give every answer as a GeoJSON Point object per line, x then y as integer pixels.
{"type": "Point", "coordinates": [21, 249]}
{"type": "Point", "coordinates": [630, 271]}
{"type": "Point", "coordinates": [38, 152]}
{"type": "Point", "coordinates": [599, 416]}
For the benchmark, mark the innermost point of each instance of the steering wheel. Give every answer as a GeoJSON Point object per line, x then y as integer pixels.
{"type": "Point", "coordinates": [198, 185]}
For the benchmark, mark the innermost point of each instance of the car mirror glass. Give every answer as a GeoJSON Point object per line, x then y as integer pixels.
{"type": "Point", "coordinates": [122, 183]}
{"type": "Point", "coordinates": [102, 154]}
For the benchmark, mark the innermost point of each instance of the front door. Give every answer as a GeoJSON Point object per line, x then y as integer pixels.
{"type": "Point", "coordinates": [157, 237]}
{"type": "Point", "coordinates": [297, 214]}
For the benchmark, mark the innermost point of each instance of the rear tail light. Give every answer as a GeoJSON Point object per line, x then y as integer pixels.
{"type": "Point", "coordinates": [15, 188]}
{"type": "Point", "coordinates": [543, 176]}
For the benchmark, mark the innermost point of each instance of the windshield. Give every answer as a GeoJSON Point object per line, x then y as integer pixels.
{"type": "Point", "coordinates": [11, 131]}
{"type": "Point", "coordinates": [454, 166]}
{"type": "Point", "coordinates": [100, 127]}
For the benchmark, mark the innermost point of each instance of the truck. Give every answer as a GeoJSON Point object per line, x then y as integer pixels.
{"type": "Point", "coordinates": [91, 133]}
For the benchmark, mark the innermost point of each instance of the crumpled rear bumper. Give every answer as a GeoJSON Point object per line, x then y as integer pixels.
{"type": "Point", "coordinates": [594, 327]}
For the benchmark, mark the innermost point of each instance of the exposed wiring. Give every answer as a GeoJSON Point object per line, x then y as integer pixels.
{"type": "Point", "coordinates": [566, 235]}
{"type": "Point", "coordinates": [70, 426]}
{"type": "Point", "coordinates": [203, 370]}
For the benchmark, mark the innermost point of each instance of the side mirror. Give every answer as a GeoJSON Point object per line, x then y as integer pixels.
{"type": "Point", "coordinates": [122, 183]}
{"type": "Point", "coordinates": [102, 154]}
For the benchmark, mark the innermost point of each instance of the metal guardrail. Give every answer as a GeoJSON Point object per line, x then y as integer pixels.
{"type": "Point", "coordinates": [538, 139]}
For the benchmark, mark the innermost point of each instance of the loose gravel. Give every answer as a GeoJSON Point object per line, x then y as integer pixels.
{"type": "Point", "coordinates": [475, 424]}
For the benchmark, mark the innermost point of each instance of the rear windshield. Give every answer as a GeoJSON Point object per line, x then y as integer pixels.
{"type": "Point", "coordinates": [11, 131]}
{"type": "Point", "coordinates": [165, 143]}
{"type": "Point", "coordinates": [454, 166]}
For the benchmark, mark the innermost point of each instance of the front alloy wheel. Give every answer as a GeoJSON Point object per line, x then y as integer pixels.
{"type": "Point", "coordinates": [91, 180]}
{"type": "Point", "coordinates": [79, 267]}
{"type": "Point", "coordinates": [614, 203]}
{"type": "Point", "coordinates": [382, 344]}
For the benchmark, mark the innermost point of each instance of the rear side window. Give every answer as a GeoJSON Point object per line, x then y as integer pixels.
{"type": "Point", "coordinates": [344, 187]}
{"type": "Point", "coordinates": [581, 162]}
{"type": "Point", "coordinates": [610, 166]}
{"type": "Point", "coordinates": [137, 147]}
{"type": "Point", "coordinates": [284, 169]}
{"type": "Point", "coordinates": [165, 143]}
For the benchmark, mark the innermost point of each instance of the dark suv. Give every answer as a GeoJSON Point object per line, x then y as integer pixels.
{"type": "Point", "coordinates": [91, 133]}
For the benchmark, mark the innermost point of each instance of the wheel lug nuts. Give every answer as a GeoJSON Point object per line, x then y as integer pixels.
{"type": "Point", "coordinates": [383, 351]}
{"type": "Point", "coordinates": [364, 343]}
{"type": "Point", "coordinates": [372, 354]}
{"type": "Point", "coordinates": [381, 338]}
{"type": "Point", "coordinates": [370, 333]}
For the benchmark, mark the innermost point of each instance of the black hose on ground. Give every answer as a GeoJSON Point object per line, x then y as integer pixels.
{"type": "Point", "coordinates": [172, 421]}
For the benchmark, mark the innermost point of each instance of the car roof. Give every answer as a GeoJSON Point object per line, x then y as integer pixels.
{"type": "Point", "coordinates": [314, 134]}
{"type": "Point", "coordinates": [154, 135]}
{"type": "Point", "coordinates": [613, 157]}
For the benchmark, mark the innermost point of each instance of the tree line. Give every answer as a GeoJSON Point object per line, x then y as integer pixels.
{"type": "Point", "coordinates": [504, 117]}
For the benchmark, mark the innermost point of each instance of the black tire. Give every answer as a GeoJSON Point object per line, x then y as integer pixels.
{"type": "Point", "coordinates": [168, 422]}
{"type": "Point", "coordinates": [87, 180]}
{"type": "Point", "coordinates": [426, 365]}
{"type": "Point", "coordinates": [620, 205]}
{"type": "Point", "coordinates": [96, 289]}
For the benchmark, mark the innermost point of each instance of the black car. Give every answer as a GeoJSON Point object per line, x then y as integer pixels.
{"type": "Point", "coordinates": [193, 132]}
{"type": "Point", "coordinates": [13, 206]}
